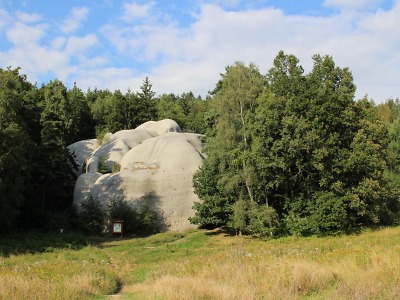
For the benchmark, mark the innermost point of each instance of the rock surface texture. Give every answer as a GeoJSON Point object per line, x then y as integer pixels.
{"type": "Point", "coordinates": [156, 160]}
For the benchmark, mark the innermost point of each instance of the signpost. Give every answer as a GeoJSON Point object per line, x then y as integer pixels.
{"type": "Point", "coordinates": [118, 227]}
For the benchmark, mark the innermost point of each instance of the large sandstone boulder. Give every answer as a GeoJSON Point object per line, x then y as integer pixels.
{"type": "Point", "coordinates": [111, 153]}
{"type": "Point", "coordinates": [160, 127]}
{"type": "Point", "coordinates": [157, 160]}
{"type": "Point", "coordinates": [133, 137]}
{"type": "Point", "coordinates": [83, 187]}
{"type": "Point", "coordinates": [82, 151]}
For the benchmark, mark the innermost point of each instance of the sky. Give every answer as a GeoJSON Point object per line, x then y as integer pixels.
{"type": "Point", "coordinates": [184, 46]}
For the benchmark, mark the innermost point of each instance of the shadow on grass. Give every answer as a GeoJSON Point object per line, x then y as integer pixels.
{"type": "Point", "coordinates": [219, 231]}
{"type": "Point", "coordinates": [40, 241]}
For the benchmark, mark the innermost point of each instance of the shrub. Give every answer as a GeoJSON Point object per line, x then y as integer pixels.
{"type": "Point", "coordinates": [119, 209]}
{"type": "Point", "coordinates": [251, 218]}
{"type": "Point", "coordinates": [92, 217]}
{"type": "Point", "coordinates": [149, 219]}
{"type": "Point", "coordinates": [324, 213]}
{"type": "Point", "coordinates": [263, 220]}
{"type": "Point", "coordinates": [102, 135]}
{"type": "Point", "coordinates": [141, 219]}
{"type": "Point", "coordinates": [102, 165]}
{"type": "Point", "coordinates": [116, 168]}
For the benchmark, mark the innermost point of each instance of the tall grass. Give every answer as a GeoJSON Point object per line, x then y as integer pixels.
{"type": "Point", "coordinates": [357, 267]}
{"type": "Point", "coordinates": [60, 274]}
{"type": "Point", "coordinates": [204, 265]}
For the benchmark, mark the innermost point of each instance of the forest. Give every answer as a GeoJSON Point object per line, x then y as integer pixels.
{"type": "Point", "coordinates": [288, 153]}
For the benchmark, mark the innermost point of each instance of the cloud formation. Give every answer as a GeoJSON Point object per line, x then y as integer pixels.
{"type": "Point", "coordinates": [354, 4]}
{"type": "Point", "coordinates": [75, 19]}
{"type": "Point", "coordinates": [134, 11]}
{"type": "Point", "coordinates": [146, 39]}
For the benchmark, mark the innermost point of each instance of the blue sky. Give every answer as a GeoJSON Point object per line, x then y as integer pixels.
{"type": "Point", "coordinates": [184, 45]}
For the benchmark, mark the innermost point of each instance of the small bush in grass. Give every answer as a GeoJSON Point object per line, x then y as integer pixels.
{"type": "Point", "coordinates": [251, 218]}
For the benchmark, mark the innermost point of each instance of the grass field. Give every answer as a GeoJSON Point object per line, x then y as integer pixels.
{"type": "Point", "coordinates": [200, 265]}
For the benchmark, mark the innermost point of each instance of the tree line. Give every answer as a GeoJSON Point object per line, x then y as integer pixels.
{"type": "Point", "coordinates": [38, 123]}
{"type": "Point", "coordinates": [287, 152]}
{"type": "Point", "coordinates": [295, 153]}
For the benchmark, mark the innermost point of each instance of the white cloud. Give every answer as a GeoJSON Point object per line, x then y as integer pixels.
{"type": "Point", "coordinates": [59, 57]}
{"type": "Point", "coordinates": [39, 61]}
{"type": "Point", "coordinates": [27, 17]}
{"type": "Point", "coordinates": [108, 78]}
{"type": "Point", "coordinates": [4, 18]}
{"type": "Point", "coordinates": [21, 34]}
{"type": "Point", "coordinates": [116, 36]}
{"type": "Point", "coordinates": [198, 77]}
{"type": "Point", "coordinates": [77, 45]}
{"type": "Point", "coordinates": [74, 20]}
{"type": "Point", "coordinates": [58, 42]}
{"type": "Point", "coordinates": [353, 4]}
{"type": "Point", "coordinates": [145, 41]}
{"type": "Point", "coordinates": [134, 11]}
{"type": "Point", "coordinates": [367, 43]}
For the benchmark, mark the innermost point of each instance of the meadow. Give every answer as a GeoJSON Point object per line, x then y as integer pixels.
{"type": "Point", "coordinates": [200, 265]}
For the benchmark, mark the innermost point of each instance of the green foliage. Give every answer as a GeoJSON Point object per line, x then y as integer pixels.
{"type": "Point", "coordinates": [228, 171]}
{"type": "Point", "coordinates": [92, 216]}
{"type": "Point", "coordinates": [102, 136]}
{"type": "Point", "coordinates": [239, 216]}
{"type": "Point", "coordinates": [168, 107]}
{"type": "Point", "coordinates": [286, 146]}
{"type": "Point", "coordinates": [82, 125]}
{"type": "Point", "coordinates": [116, 111]}
{"type": "Point", "coordinates": [56, 178]}
{"type": "Point", "coordinates": [302, 144]}
{"type": "Point", "coordinates": [140, 219]}
{"type": "Point", "coordinates": [150, 221]}
{"type": "Point", "coordinates": [263, 220]}
{"type": "Point", "coordinates": [116, 168]}
{"type": "Point", "coordinates": [119, 209]}
{"type": "Point", "coordinates": [15, 146]}
{"type": "Point", "coordinates": [254, 219]}
{"type": "Point", "coordinates": [187, 110]}
{"type": "Point", "coordinates": [215, 208]}
{"type": "Point", "coordinates": [102, 165]}
{"type": "Point", "coordinates": [324, 213]}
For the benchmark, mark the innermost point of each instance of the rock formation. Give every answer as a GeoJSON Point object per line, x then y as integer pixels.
{"type": "Point", "coordinates": [155, 159]}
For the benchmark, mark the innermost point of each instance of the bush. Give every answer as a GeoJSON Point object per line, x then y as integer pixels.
{"type": "Point", "coordinates": [119, 209]}
{"type": "Point", "coordinates": [323, 214]}
{"type": "Point", "coordinates": [116, 168]}
{"type": "Point", "coordinates": [263, 220]}
{"type": "Point", "coordinates": [102, 165]}
{"type": "Point", "coordinates": [92, 217]}
{"type": "Point", "coordinates": [251, 218]}
{"type": "Point", "coordinates": [149, 219]}
{"type": "Point", "coordinates": [141, 219]}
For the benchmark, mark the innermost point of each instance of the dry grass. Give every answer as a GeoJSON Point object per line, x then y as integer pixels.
{"type": "Point", "coordinates": [358, 267]}
{"type": "Point", "coordinates": [56, 275]}
{"type": "Point", "coordinates": [200, 265]}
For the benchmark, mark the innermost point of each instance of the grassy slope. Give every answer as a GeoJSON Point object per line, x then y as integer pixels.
{"type": "Point", "coordinates": [203, 265]}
